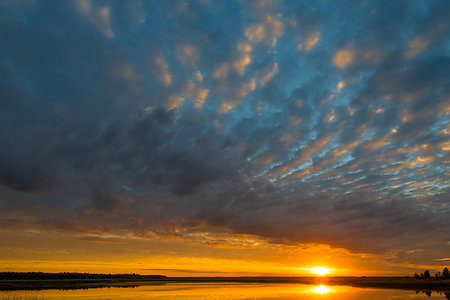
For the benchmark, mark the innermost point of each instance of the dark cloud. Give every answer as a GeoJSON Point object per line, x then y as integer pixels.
{"type": "Point", "coordinates": [158, 117]}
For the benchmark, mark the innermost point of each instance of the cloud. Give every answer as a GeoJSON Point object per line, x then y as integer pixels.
{"type": "Point", "coordinates": [187, 54]}
{"type": "Point", "coordinates": [310, 42]}
{"type": "Point", "coordinates": [240, 63]}
{"type": "Point", "coordinates": [221, 71]}
{"type": "Point", "coordinates": [269, 30]}
{"type": "Point", "coordinates": [269, 75]}
{"type": "Point", "coordinates": [163, 71]}
{"type": "Point", "coordinates": [100, 17]}
{"type": "Point", "coordinates": [201, 97]}
{"type": "Point", "coordinates": [344, 58]}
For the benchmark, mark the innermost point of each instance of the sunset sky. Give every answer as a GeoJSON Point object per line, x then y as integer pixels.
{"type": "Point", "coordinates": [221, 138]}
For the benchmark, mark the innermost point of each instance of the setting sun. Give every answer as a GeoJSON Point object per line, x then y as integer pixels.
{"type": "Point", "coordinates": [320, 271]}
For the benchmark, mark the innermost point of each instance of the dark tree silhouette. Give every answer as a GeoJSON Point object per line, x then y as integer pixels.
{"type": "Point", "coordinates": [68, 275]}
{"type": "Point", "coordinates": [438, 275]}
{"type": "Point", "coordinates": [445, 273]}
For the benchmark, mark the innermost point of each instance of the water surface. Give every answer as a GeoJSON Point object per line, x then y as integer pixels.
{"type": "Point", "coordinates": [224, 291]}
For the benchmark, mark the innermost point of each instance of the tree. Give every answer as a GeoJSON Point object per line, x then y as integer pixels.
{"type": "Point", "coordinates": [416, 276]}
{"type": "Point", "coordinates": [446, 273]}
{"type": "Point", "coordinates": [426, 274]}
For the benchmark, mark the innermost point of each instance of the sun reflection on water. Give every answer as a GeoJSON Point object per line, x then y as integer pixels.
{"type": "Point", "coordinates": [235, 291]}
{"type": "Point", "coordinates": [321, 289]}
{"type": "Point", "coordinates": [318, 290]}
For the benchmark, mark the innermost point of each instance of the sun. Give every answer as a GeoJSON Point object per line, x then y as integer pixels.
{"type": "Point", "coordinates": [321, 271]}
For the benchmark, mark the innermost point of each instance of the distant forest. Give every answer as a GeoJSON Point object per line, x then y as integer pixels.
{"type": "Point", "coordinates": [69, 275]}
{"type": "Point", "coordinates": [425, 275]}
{"type": "Point", "coordinates": [445, 274]}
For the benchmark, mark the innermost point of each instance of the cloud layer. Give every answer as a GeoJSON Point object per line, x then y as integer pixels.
{"type": "Point", "coordinates": [295, 122]}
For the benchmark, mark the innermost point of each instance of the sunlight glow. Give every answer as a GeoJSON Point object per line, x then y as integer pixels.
{"type": "Point", "coordinates": [320, 270]}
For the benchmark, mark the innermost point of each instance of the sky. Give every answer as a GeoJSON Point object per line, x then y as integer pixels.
{"type": "Point", "coordinates": [225, 137]}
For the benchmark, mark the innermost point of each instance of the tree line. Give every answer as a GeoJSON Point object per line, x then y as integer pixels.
{"type": "Point", "coordinates": [438, 275]}
{"type": "Point", "coordinates": [72, 275]}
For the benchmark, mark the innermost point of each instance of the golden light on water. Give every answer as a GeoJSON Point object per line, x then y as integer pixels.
{"type": "Point", "coordinates": [321, 289]}
{"type": "Point", "coordinates": [321, 271]}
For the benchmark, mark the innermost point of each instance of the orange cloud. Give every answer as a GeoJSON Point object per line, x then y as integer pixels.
{"type": "Point", "coordinates": [241, 63]}
{"type": "Point", "coordinates": [334, 155]}
{"type": "Point", "coordinates": [245, 88]}
{"type": "Point", "coordinates": [226, 107]}
{"type": "Point", "coordinates": [269, 75]}
{"type": "Point", "coordinates": [198, 76]}
{"type": "Point", "coordinates": [310, 42]}
{"type": "Point", "coordinates": [187, 54]}
{"type": "Point", "coordinates": [375, 144]}
{"type": "Point", "coordinates": [221, 71]}
{"type": "Point", "coordinates": [240, 93]}
{"type": "Point", "coordinates": [268, 30]}
{"type": "Point", "coordinates": [264, 159]}
{"type": "Point", "coordinates": [344, 57]}
{"type": "Point", "coordinates": [255, 33]}
{"type": "Point", "coordinates": [175, 101]}
{"type": "Point", "coordinates": [201, 96]}
{"type": "Point", "coordinates": [99, 17]}
{"type": "Point", "coordinates": [163, 71]}
{"type": "Point", "coordinates": [305, 154]}
{"type": "Point", "coordinates": [329, 117]}
{"type": "Point", "coordinates": [287, 138]}
{"type": "Point", "coordinates": [415, 47]}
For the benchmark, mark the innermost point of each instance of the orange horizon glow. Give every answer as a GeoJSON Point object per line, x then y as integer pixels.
{"type": "Point", "coordinates": [64, 252]}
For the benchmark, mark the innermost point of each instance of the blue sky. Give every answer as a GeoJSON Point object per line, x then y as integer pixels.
{"type": "Point", "coordinates": [293, 121]}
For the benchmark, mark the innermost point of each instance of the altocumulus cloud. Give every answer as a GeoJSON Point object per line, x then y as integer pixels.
{"type": "Point", "coordinates": [309, 121]}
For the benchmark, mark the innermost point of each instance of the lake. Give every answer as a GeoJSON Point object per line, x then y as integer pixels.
{"type": "Point", "coordinates": [223, 291]}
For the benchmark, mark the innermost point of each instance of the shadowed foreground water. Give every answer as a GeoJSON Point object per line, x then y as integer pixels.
{"type": "Point", "coordinates": [224, 291]}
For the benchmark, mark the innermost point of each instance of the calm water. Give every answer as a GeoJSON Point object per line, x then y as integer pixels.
{"type": "Point", "coordinates": [222, 291]}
